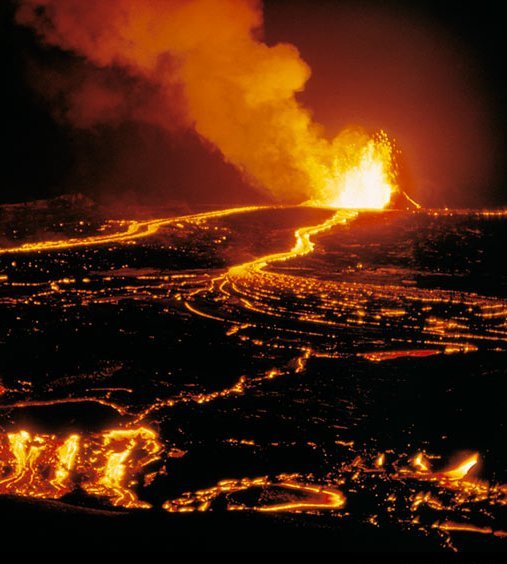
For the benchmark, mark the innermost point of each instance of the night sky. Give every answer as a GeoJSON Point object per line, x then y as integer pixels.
{"type": "Point", "coordinates": [432, 74]}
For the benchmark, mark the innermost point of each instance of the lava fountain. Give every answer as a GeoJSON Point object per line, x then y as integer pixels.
{"type": "Point", "coordinates": [237, 92]}
{"type": "Point", "coordinates": [367, 180]}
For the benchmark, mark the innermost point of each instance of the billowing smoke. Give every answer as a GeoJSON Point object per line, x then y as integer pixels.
{"type": "Point", "coordinates": [201, 64]}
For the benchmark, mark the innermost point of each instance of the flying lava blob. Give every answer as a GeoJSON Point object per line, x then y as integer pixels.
{"type": "Point", "coordinates": [234, 90]}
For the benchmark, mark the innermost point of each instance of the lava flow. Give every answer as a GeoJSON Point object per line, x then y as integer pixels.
{"type": "Point", "coordinates": [282, 317]}
{"type": "Point", "coordinates": [284, 495]}
{"type": "Point", "coordinates": [135, 230]}
{"type": "Point", "coordinates": [328, 356]}
{"type": "Point", "coordinates": [106, 465]}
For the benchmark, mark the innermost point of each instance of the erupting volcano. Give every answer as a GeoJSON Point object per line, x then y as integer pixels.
{"type": "Point", "coordinates": [237, 92]}
{"type": "Point", "coordinates": [321, 370]}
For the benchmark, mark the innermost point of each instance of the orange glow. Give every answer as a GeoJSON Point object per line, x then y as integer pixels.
{"type": "Point", "coordinates": [468, 528]}
{"type": "Point", "coordinates": [237, 92]}
{"type": "Point", "coordinates": [24, 452]}
{"type": "Point", "coordinates": [419, 462]}
{"type": "Point", "coordinates": [66, 459]}
{"type": "Point", "coordinates": [123, 454]}
{"type": "Point", "coordinates": [331, 499]}
{"type": "Point", "coordinates": [129, 232]}
{"type": "Point", "coordinates": [426, 499]}
{"type": "Point", "coordinates": [111, 464]}
{"type": "Point", "coordinates": [309, 497]}
{"type": "Point", "coordinates": [463, 468]}
{"type": "Point", "coordinates": [46, 466]}
{"type": "Point", "coordinates": [381, 356]}
{"type": "Point", "coordinates": [365, 179]}
{"type": "Point", "coordinates": [302, 246]}
{"type": "Point", "coordinates": [455, 478]}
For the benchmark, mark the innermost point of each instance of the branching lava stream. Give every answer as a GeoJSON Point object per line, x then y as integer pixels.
{"type": "Point", "coordinates": [288, 320]}
{"type": "Point", "coordinates": [330, 368]}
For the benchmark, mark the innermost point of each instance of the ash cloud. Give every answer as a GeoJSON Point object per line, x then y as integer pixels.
{"type": "Point", "coordinates": [194, 64]}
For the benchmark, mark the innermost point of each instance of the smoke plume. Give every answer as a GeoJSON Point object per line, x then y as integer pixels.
{"type": "Point", "coordinates": [201, 64]}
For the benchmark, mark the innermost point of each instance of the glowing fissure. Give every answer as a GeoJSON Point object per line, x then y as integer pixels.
{"type": "Point", "coordinates": [252, 287]}
{"type": "Point", "coordinates": [468, 528]}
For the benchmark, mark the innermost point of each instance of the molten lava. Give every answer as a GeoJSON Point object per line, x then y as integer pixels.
{"type": "Point", "coordinates": [420, 463]}
{"type": "Point", "coordinates": [129, 231]}
{"type": "Point", "coordinates": [293, 496]}
{"type": "Point", "coordinates": [364, 178]}
{"type": "Point", "coordinates": [463, 468]}
{"type": "Point", "coordinates": [250, 299]}
{"type": "Point", "coordinates": [104, 465]}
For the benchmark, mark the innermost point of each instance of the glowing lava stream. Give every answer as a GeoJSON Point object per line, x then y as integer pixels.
{"type": "Point", "coordinates": [108, 464]}
{"type": "Point", "coordinates": [135, 230]}
{"type": "Point", "coordinates": [141, 229]}
{"type": "Point", "coordinates": [303, 246]}
{"type": "Point", "coordinates": [311, 497]}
